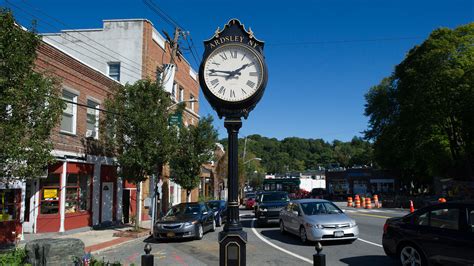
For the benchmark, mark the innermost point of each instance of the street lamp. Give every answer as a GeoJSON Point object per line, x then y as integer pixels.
{"type": "Point", "coordinates": [185, 101]}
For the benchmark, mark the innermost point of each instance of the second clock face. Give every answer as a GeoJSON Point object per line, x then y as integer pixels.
{"type": "Point", "coordinates": [233, 72]}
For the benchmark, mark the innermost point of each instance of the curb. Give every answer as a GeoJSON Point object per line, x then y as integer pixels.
{"type": "Point", "coordinates": [111, 244]}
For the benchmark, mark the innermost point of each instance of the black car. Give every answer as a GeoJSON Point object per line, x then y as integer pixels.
{"type": "Point", "coordinates": [220, 210]}
{"type": "Point", "coordinates": [269, 204]}
{"type": "Point", "coordinates": [185, 220]}
{"type": "Point", "coordinates": [441, 234]}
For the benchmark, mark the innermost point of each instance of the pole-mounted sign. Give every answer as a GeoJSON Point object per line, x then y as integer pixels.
{"type": "Point", "coordinates": [233, 76]}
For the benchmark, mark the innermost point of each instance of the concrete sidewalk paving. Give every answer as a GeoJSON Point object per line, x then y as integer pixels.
{"type": "Point", "coordinates": [94, 239]}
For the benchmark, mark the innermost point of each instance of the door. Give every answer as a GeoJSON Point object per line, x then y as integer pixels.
{"type": "Point", "coordinates": [107, 201]}
{"type": "Point", "coordinates": [126, 206]}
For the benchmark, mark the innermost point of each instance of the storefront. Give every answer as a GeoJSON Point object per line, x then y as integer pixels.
{"type": "Point", "coordinates": [10, 211]}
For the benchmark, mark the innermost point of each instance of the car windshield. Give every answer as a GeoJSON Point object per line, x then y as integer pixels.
{"type": "Point", "coordinates": [214, 204]}
{"type": "Point", "coordinates": [316, 208]}
{"type": "Point", "coordinates": [183, 209]}
{"type": "Point", "coordinates": [274, 197]}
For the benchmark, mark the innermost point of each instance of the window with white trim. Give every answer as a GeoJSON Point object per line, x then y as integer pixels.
{"type": "Point", "coordinates": [114, 70]}
{"type": "Point", "coordinates": [68, 120]}
{"type": "Point", "coordinates": [92, 119]}
{"type": "Point", "coordinates": [191, 101]}
{"type": "Point", "coordinates": [181, 94]}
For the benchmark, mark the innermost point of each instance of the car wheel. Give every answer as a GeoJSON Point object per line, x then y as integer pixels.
{"type": "Point", "coordinates": [282, 227]}
{"type": "Point", "coordinates": [303, 235]}
{"type": "Point", "coordinates": [199, 232]}
{"type": "Point", "coordinates": [213, 228]}
{"type": "Point", "coordinates": [410, 255]}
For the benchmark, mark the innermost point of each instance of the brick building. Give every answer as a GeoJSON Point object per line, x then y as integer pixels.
{"type": "Point", "coordinates": [128, 50]}
{"type": "Point", "coordinates": [80, 189]}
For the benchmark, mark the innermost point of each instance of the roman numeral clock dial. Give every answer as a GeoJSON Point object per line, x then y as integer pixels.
{"type": "Point", "coordinates": [233, 72]}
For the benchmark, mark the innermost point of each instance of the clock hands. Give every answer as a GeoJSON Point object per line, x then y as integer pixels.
{"type": "Point", "coordinates": [230, 74]}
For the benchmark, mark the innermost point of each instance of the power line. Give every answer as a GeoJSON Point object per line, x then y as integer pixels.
{"type": "Point", "coordinates": [160, 12]}
{"type": "Point", "coordinates": [92, 40]}
{"type": "Point", "coordinates": [343, 41]}
{"type": "Point", "coordinates": [77, 39]}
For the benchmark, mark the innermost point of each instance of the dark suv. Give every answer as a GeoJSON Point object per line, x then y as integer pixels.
{"type": "Point", "coordinates": [269, 204]}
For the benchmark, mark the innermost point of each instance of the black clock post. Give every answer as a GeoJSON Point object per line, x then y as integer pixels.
{"type": "Point", "coordinates": [233, 76]}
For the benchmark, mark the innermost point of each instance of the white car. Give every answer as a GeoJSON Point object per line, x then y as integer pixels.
{"type": "Point", "coordinates": [317, 220]}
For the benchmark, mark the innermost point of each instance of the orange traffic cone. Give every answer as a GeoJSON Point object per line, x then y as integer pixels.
{"type": "Point", "coordinates": [362, 202]}
{"type": "Point", "coordinates": [368, 203]}
{"type": "Point", "coordinates": [412, 209]}
{"type": "Point", "coordinates": [349, 201]}
{"type": "Point", "coordinates": [357, 202]}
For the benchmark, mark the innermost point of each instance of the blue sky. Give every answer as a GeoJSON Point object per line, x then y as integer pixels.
{"type": "Point", "coordinates": [322, 56]}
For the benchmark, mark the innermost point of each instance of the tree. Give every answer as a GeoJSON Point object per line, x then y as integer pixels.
{"type": "Point", "coordinates": [421, 118]}
{"type": "Point", "coordinates": [136, 123]}
{"type": "Point", "coordinates": [195, 147]}
{"type": "Point", "coordinates": [30, 106]}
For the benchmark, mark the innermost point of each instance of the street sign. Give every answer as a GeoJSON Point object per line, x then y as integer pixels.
{"type": "Point", "coordinates": [175, 119]}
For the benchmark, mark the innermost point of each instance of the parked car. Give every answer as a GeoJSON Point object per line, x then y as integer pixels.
{"type": "Point", "coordinates": [269, 205]}
{"type": "Point", "coordinates": [185, 220]}
{"type": "Point", "coordinates": [441, 234]}
{"type": "Point", "coordinates": [317, 220]}
{"type": "Point", "coordinates": [220, 210]}
{"type": "Point", "coordinates": [248, 195]}
{"type": "Point", "coordinates": [250, 203]}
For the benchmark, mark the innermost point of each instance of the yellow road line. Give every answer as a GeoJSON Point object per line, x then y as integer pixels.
{"type": "Point", "coordinates": [370, 215]}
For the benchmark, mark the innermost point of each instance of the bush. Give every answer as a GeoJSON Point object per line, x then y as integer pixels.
{"type": "Point", "coordinates": [16, 256]}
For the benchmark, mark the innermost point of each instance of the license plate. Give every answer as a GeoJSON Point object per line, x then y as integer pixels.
{"type": "Point", "coordinates": [339, 234]}
{"type": "Point", "coordinates": [170, 234]}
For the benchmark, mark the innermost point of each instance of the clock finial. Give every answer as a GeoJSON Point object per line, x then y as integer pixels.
{"type": "Point", "coordinates": [218, 30]}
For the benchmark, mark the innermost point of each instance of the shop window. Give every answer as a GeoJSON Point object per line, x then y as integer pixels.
{"type": "Point", "coordinates": [77, 193]}
{"type": "Point", "coordinates": [50, 194]}
{"type": "Point", "coordinates": [8, 205]}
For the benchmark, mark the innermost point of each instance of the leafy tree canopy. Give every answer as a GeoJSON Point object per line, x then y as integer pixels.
{"type": "Point", "coordinates": [30, 106]}
{"type": "Point", "coordinates": [421, 118]}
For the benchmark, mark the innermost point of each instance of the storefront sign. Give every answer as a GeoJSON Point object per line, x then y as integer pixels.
{"type": "Point", "coordinates": [50, 194]}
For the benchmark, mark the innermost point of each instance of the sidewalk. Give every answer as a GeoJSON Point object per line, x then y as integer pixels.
{"type": "Point", "coordinates": [94, 240]}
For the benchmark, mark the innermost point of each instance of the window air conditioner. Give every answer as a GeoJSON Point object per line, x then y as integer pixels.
{"type": "Point", "coordinates": [90, 133]}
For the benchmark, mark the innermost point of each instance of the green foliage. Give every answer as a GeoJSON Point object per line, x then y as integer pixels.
{"type": "Point", "coordinates": [137, 126]}
{"type": "Point", "coordinates": [16, 256]}
{"type": "Point", "coordinates": [421, 118]}
{"type": "Point", "coordinates": [298, 154]}
{"type": "Point", "coordinates": [30, 106]}
{"type": "Point", "coordinates": [195, 147]}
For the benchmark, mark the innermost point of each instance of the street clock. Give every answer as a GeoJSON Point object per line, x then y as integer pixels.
{"type": "Point", "coordinates": [233, 73]}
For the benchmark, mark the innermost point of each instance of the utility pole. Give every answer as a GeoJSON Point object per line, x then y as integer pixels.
{"type": "Point", "coordinates": [174, 48]}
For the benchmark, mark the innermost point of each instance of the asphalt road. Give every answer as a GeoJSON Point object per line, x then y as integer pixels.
{"type": "Point", "coordinates": [266, 246]}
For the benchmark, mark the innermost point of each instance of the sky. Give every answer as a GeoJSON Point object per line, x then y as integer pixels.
{"type": "Point", "coordinates": [322, 56]}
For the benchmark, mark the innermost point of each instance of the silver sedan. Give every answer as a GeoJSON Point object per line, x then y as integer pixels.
{"type": "Point", "coordinates": [317, 220]}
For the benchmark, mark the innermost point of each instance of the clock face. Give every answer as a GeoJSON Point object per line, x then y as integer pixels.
{"type": "Point", "coordinates": [233, 72]}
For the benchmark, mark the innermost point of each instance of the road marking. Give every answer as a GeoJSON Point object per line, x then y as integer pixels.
{"type": "Point", "coordinates": [368, 242]}
{"type": "Point", "coordinates": [277, 247]}
{"type": "Point", "coordinates": [371, 215]}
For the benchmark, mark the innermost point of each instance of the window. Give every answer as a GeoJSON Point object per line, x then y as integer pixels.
{"type": "Point", "coordinates": [192, 99]}
{"type": "Point", "coordinates": [471, 220]}
{"type": "Point", "coordinates": [77, 193]}
{"type": "Point", "coordinates": [422, 219]}
{"type": "Point", "coordinates": [445, 218]}
{"type": "Point", "coordinates": [114, 70]}
{"type": "Point", "coordinates": [92, 119]}
{"type": "Point", "coordinates": [159, 75]}
{"type": "Point", "coordinates": [68, 121]}
{"type": "Point", "coordinates": [50, 194]}
{"type": "Point", "coordinates": [174, 90]}
{"type": "Point", "coordinates": [9, 204]}
{"type": "Point", "coordinates": [181, 95]}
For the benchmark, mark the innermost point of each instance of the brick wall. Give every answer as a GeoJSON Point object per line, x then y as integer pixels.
{"type": "Point", "coordinates": [75, 75]}
{"type": "Point", "coordinates": [154, 57]}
